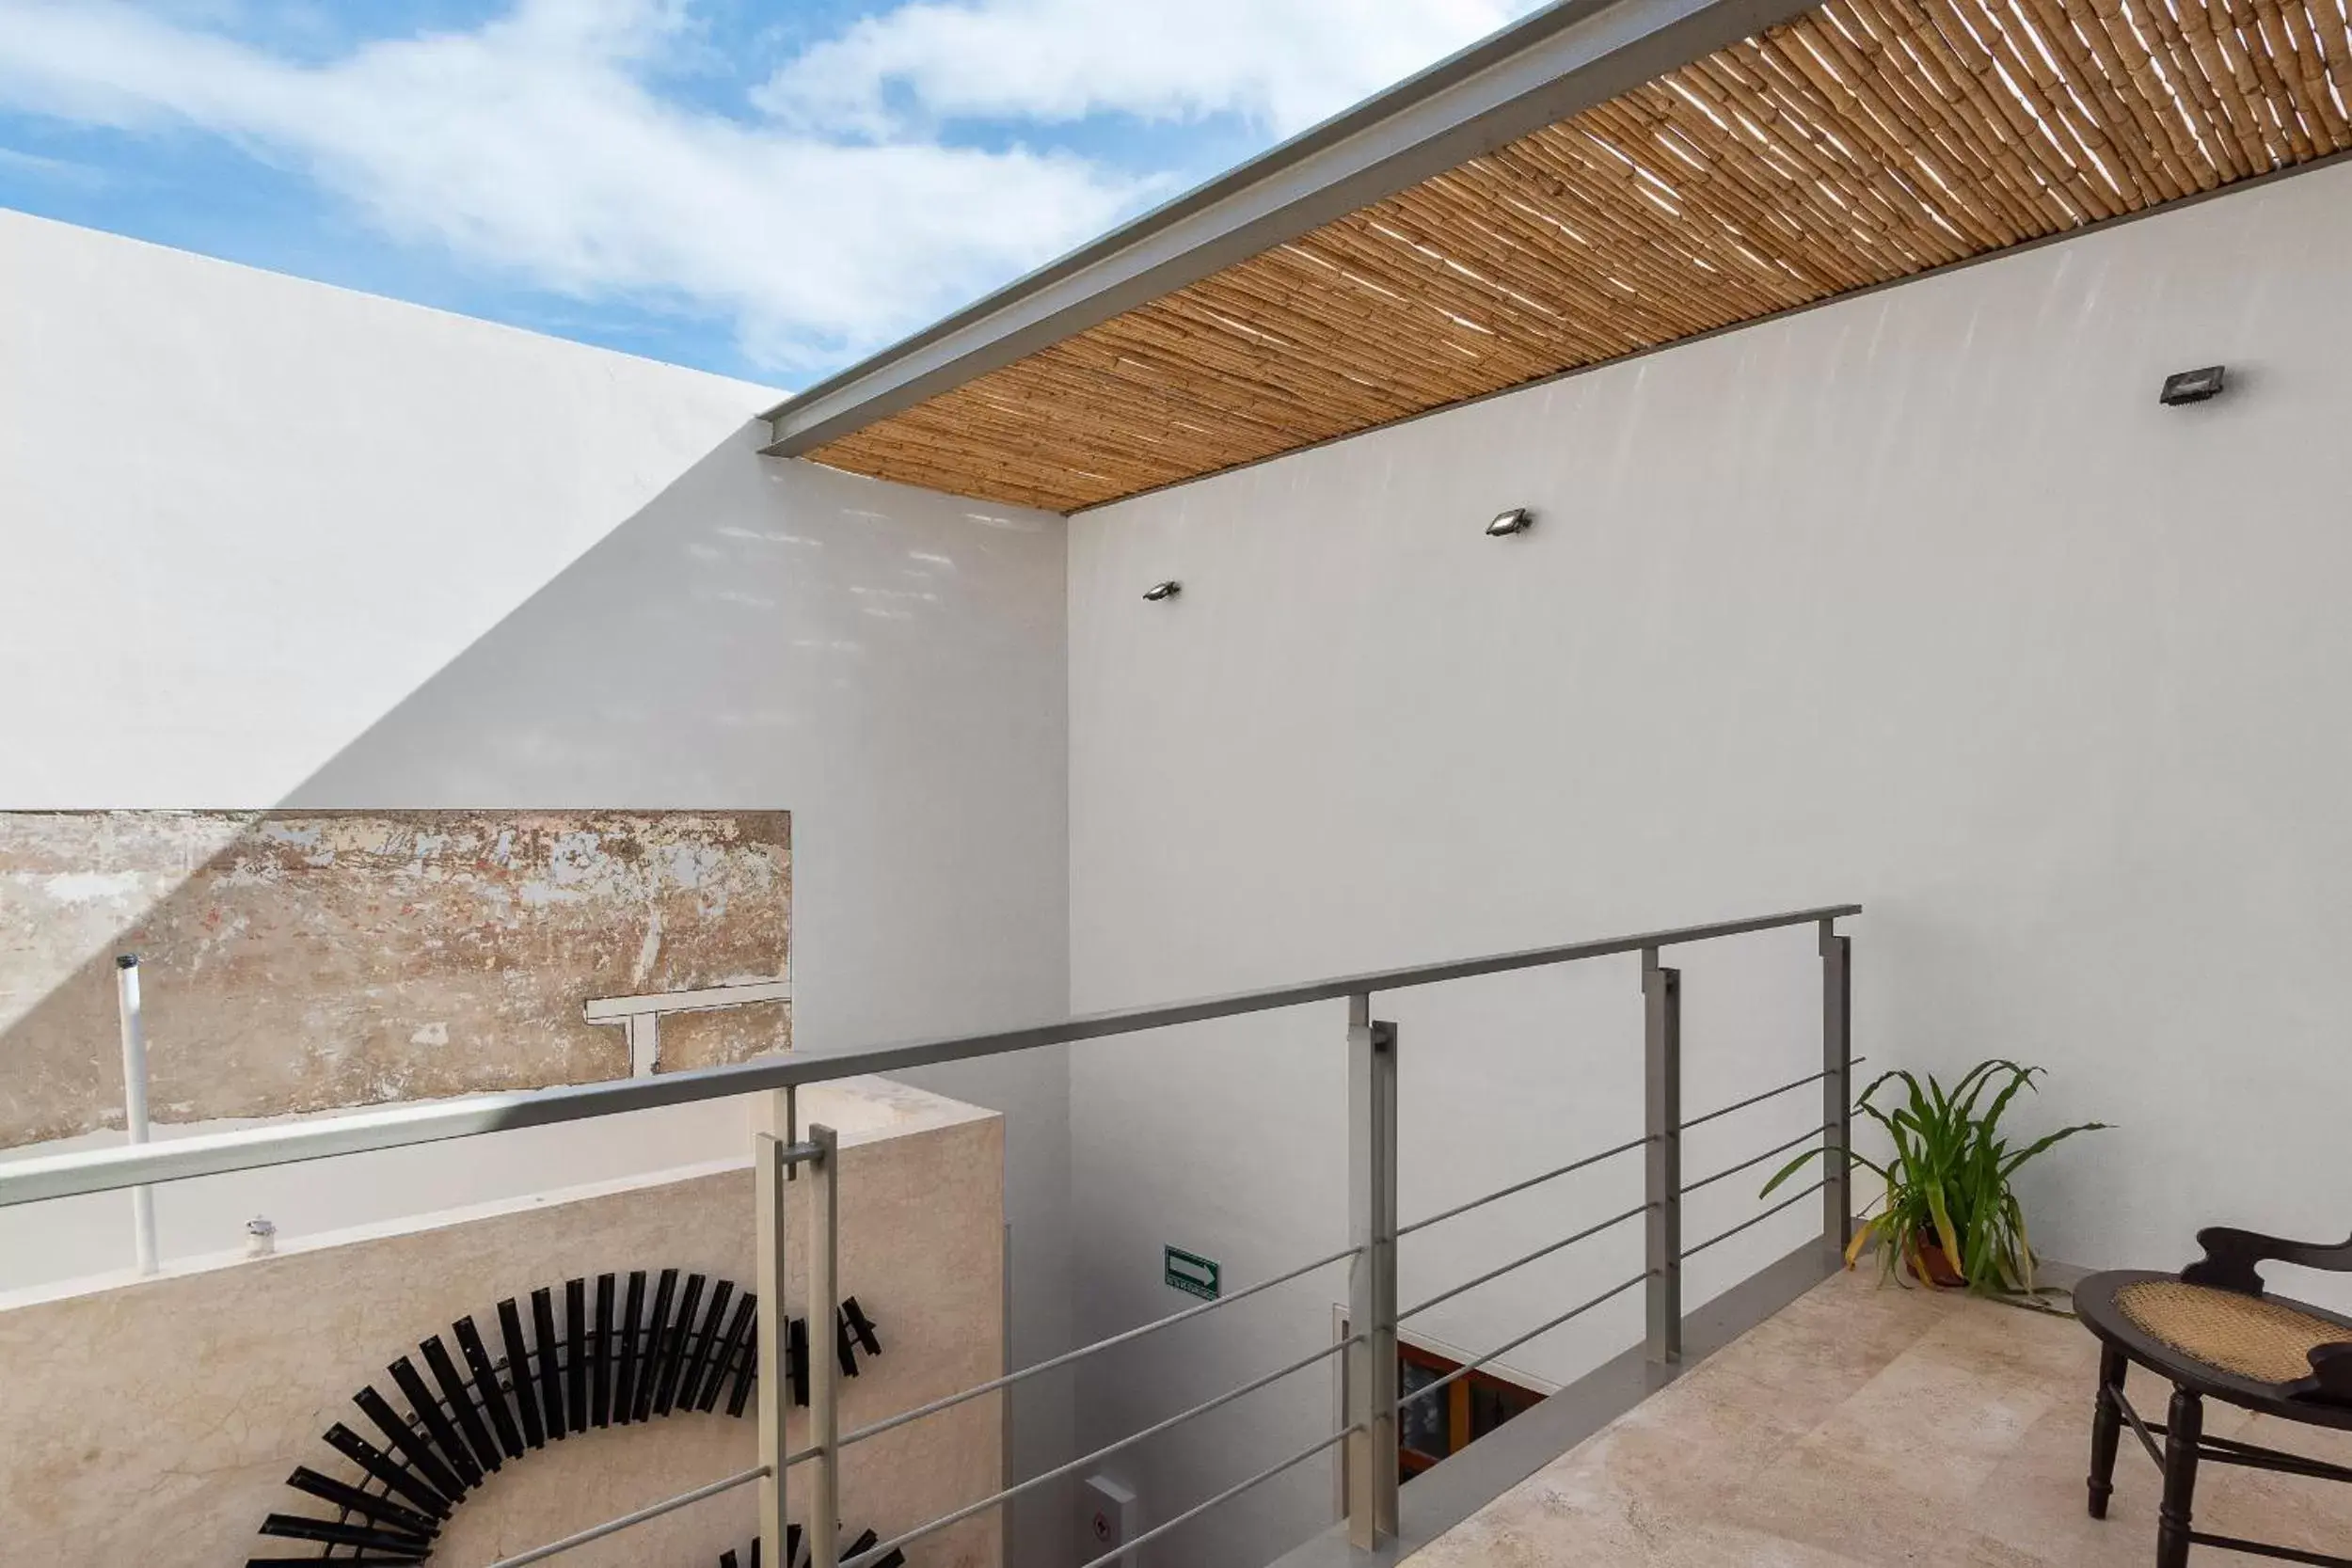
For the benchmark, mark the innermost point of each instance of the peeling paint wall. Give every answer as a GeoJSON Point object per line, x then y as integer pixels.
{"type": "Point", "coordinates": [299, 960]}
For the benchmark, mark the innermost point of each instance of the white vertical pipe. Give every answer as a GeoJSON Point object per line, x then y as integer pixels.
{"type": "Point", "coordinates": [134, 1102]}
{"type": "Point", "coordinates": [644, 1044]}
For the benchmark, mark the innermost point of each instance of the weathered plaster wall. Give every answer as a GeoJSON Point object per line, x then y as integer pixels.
{"type": "Point", "coordinates": [301, 960]}
{"type": "Point", "coordinates": [156, 1422]}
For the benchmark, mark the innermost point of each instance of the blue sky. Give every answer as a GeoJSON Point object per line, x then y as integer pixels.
{"type": "Point", "coordinates": [766, 190]}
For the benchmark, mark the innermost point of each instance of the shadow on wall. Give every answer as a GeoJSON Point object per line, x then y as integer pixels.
{"type": "Point", "coordinates": [884, 662]}
{"type": "Point", "coordinates": [887, 664]}
{"type": "Point", "coordinates": [759, 634]}
{"type": "Point", "coordinates": [752, 608]}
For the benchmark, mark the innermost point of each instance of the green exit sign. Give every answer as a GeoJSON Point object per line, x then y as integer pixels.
{"type": "Point", "coordinates": [1191, 1273]}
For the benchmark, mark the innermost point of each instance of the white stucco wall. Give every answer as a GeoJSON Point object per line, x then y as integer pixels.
{"type": "Point", "coordinates": [266, 541]}
{"type": "Point", "coordinates": [1920, 600]}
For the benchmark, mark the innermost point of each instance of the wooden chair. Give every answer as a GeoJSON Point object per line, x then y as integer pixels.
{"type": "Point", "coordinates": [2214, 1333]}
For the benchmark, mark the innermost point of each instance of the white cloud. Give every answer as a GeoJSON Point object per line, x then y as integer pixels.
{"type": "Point", "coordinates": [823, 224]}
{"type": "Point", "coordinates": [61, 170]}
{"type": "Point", "coordinates": [533, 147]}
{"type": "Point", "coordinates": [1283, 64]}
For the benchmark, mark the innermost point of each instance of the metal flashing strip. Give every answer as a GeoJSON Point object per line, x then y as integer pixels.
{"type": "Point", "coordinates": [1553, 64]}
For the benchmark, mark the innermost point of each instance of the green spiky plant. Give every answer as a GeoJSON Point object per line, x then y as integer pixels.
{"type": "Point", "coordinates": [1947, 1182]}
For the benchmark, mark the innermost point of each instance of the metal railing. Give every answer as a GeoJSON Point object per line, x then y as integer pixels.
{"type": "Point", "coordinates": [1371, 1404]}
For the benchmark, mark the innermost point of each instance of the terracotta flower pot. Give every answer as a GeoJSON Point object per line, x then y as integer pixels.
{"type": "Point", "coordinates": [1929, 1264]}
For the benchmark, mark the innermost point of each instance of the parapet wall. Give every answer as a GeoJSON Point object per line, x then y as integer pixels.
{"type": "Point", "coordinates": [156, 1421]}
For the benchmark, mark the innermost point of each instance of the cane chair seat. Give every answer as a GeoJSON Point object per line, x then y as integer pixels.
{"type": "Point", "coordinates": [2254, 1337]}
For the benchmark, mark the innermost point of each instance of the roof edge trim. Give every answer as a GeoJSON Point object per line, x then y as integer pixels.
{"type": "Point", "coordinates": [1549, 66]}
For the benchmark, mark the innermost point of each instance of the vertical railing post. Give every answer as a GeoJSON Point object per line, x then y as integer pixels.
{"type": "Point", "coordinates": [824, 1376]}
{"type": "Point", "coordinates": [1662, 1053]}
{"type": "Point", "coordinates": [1370, 1362]}
{"type": "Point", "coordinates": [1837, 1088]}
{"type": "Point", "coordinates": [769, 1166]}
{"type": "Point", "coordinates": [790, 1127]}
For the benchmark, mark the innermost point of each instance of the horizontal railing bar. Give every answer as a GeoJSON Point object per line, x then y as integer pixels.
{"type": "Point", "coordinates": [2147, 1440]}
{"type": "Point", "coordinates": [1544, 1251]}
{"type": "Point", "coordinates": [2265, 1548]}
{"type": "Point", "coordinates": [999, 1499]}
{"type": "Point", "coordinates": [1468, 1367]}
{"type": "Point", "coordinates": [703, 998]}
{"type": "Point", "coordinates": [101, 1170]}
{"type": "Point", "coordinates": [652, 1510]}
{"type": "Point", "coordinates": [1743, 1225]}
{"type": "Point", "coordinates": [1768, 1094]}
{"type": "Point", "coordinates": [2229, 1450]}
{"type": "Point", "coordinates": [1460, 1209]}
{"type": "Point", "coordinates": [1221, 1499]}
{"type": "Point", "coordinates": [1754, 1099]}
{"type": "Point", "coordinates": [920, 1411]}
{"type": "Point", "coordinates": [1749, 1164]}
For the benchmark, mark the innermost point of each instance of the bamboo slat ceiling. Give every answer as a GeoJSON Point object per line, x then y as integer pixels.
{"type": "Point", "coordinates": [1863, 142]}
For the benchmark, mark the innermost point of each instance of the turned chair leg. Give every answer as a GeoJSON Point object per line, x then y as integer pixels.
{"type": "Point", "coordinates": [2184, 1429]}
{"type": "Point", "coordinates": [2106, 1425]}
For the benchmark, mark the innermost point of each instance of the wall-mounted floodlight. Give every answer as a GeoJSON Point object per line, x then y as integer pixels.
{"type": "Point", "coordinates": [1159, 591]}
{"type": "Point", "coordinates": [1518, 520]}
{"type": "Point", "coordinates": [2191, 386]}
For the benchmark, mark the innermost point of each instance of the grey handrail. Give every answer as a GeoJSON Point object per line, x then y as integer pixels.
{"type": "Point", "coordinates": [639, 1516]}
{"type": "Point", "coordinates": [102, 1170]}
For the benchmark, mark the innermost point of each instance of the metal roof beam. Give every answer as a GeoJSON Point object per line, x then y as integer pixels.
{"type": "Point", "coordinates": [1556, 63]}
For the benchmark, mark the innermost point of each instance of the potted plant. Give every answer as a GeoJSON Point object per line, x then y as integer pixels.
{"type": "Point", "coordinates": [1948, 1212]}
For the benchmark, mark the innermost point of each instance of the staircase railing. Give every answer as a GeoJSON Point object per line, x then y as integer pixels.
{"type": "Point", "coordinates": [1368, 1427]}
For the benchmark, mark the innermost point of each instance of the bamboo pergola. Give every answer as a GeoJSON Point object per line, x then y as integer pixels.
{"type": "Point", "coordinates": [1861, 143]}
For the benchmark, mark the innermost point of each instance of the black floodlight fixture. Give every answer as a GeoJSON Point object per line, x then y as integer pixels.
{"type": "Point", "coordinates": [2191, 386]}
{"type": "Point", "coordinates": [1518, 520]}
{"type": "Point", "coordinates": [1159, 591]}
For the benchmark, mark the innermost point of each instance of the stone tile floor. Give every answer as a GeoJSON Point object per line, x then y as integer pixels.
{"type": "Point", "coordinates": [1869, 1425]}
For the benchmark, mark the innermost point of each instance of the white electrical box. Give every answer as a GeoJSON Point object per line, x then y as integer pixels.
{"type": "Point", "coordinates": [1109, 1516]}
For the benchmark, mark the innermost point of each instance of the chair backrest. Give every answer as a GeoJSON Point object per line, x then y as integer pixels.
{"type": "Point", "coordinates": [2230, 1255]}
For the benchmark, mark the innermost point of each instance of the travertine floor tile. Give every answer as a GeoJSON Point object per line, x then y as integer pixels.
{"type": "Point", "coordinates": [1868, 1426]}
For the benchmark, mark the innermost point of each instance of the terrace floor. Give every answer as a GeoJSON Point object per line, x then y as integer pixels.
{"type": "Point", "coordinates": [1873, 1426]}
